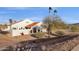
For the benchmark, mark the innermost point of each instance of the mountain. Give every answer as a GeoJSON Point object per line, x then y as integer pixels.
{"type": "Point", "coordinates": [75, 24]}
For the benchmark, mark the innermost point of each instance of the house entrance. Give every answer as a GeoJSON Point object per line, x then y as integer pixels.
{"type": "Point", "coordinates": [36, 29]}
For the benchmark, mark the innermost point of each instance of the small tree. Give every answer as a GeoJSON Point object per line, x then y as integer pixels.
{"type": "Point", "coordinates": [54, 21]}
{"type": "Point", "coordinates": [47, 22]}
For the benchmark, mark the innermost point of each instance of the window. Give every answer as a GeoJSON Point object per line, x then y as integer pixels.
{"type": "Point", "coordinates": [21, 28]}
{"type": "Point", "coordinates": [31, 31]}
{"type": "Point", "coordinates": [27, 28]}
{"type": "Point", "coordinates": [38, 30]}
{"type": "Point", "coordinates": [14, 28]}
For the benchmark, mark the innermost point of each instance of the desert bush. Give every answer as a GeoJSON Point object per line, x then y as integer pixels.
{"type": "Point", "coordinates": [55, 23]}
{"type": "Point", "coordinates": [3, 26]}
{"type": "Point", "coordinates": [75, 28]}
{"type": "Point", "coordinates": [9, 48]}
{"type": "Point", "coordinates": [39, 35]}
{"type": "Point", "coordinates": [59, 33]}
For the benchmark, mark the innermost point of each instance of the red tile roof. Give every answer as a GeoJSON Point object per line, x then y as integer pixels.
{"type": "Point", "coordinates": [30, 25]}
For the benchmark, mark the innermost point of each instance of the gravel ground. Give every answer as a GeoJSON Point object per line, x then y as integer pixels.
{"type": "Point", "coordinates": [63, 43]}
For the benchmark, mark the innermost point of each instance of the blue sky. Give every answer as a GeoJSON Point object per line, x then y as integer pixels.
{"type": "Point", "coordinates": [68, 14]}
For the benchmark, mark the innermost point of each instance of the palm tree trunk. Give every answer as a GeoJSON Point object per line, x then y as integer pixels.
{"type": "Point", "coordinates": [49, 23]}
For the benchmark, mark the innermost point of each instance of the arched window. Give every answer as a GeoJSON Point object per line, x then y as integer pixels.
{"type": "Point", "coordinates": [27, 28]}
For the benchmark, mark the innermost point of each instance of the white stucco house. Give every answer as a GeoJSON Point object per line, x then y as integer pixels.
{"type": "Point", "coordinates": [26, 27]}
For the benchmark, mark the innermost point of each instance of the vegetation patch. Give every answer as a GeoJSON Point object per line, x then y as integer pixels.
{"type": "Point", "coordinates": [60, 33]}
{"type": "Point", "coordinates": [39, 34]}
{"type": "Point", "coordinates": [75, 28]}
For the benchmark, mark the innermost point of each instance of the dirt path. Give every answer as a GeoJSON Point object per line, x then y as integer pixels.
{"type": "Point", "coordinates": [76, 48]}
{"type": "Point", "coordinates": [6, 40]}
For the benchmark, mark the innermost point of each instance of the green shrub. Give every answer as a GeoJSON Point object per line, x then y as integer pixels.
{"type": "Point", "coordinates": [75, 28]}
{"type": "Point", "coordinates": [9, 48]}
{"type": "Point", "coordinates": [60, 33]}
{"type": "Point", "coordinates": [39, 35]}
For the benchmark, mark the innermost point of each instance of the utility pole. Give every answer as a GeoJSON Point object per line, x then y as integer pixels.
{"type": "Point", "coordinates": [10, 21]}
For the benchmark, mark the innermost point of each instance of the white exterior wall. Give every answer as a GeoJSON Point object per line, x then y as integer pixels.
{"type": "Point", "coordinates": [18, 32]}
{"type": "Point", "coordinates": [19, 25]}
{"type": "Point", "coordinates": [44, 30]}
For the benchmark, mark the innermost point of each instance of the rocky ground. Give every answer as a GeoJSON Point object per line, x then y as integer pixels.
{"type": "Point", "coordinates": [7, 40]}
{"type": "Point", "coordinates": [62, 43]}
{"type": "Point", "coordinates": [76, 48]}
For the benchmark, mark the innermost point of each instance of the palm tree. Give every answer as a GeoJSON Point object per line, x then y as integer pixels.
{"type": "Point", "coordinates": [55, 11]}
{"type": "Point", "coordinates": [50, 8]}
{"type": "Point", "coordinates": [48, 21]}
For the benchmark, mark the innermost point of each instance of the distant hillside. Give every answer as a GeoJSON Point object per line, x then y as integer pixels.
{"type": "Point", "coordinates": [75, 24]}
{"type": "Point", "coordinates": [74, 27]}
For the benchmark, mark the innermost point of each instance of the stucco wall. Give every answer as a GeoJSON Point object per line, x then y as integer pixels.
{"type": "Point", "coordinates": [18, 32]}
